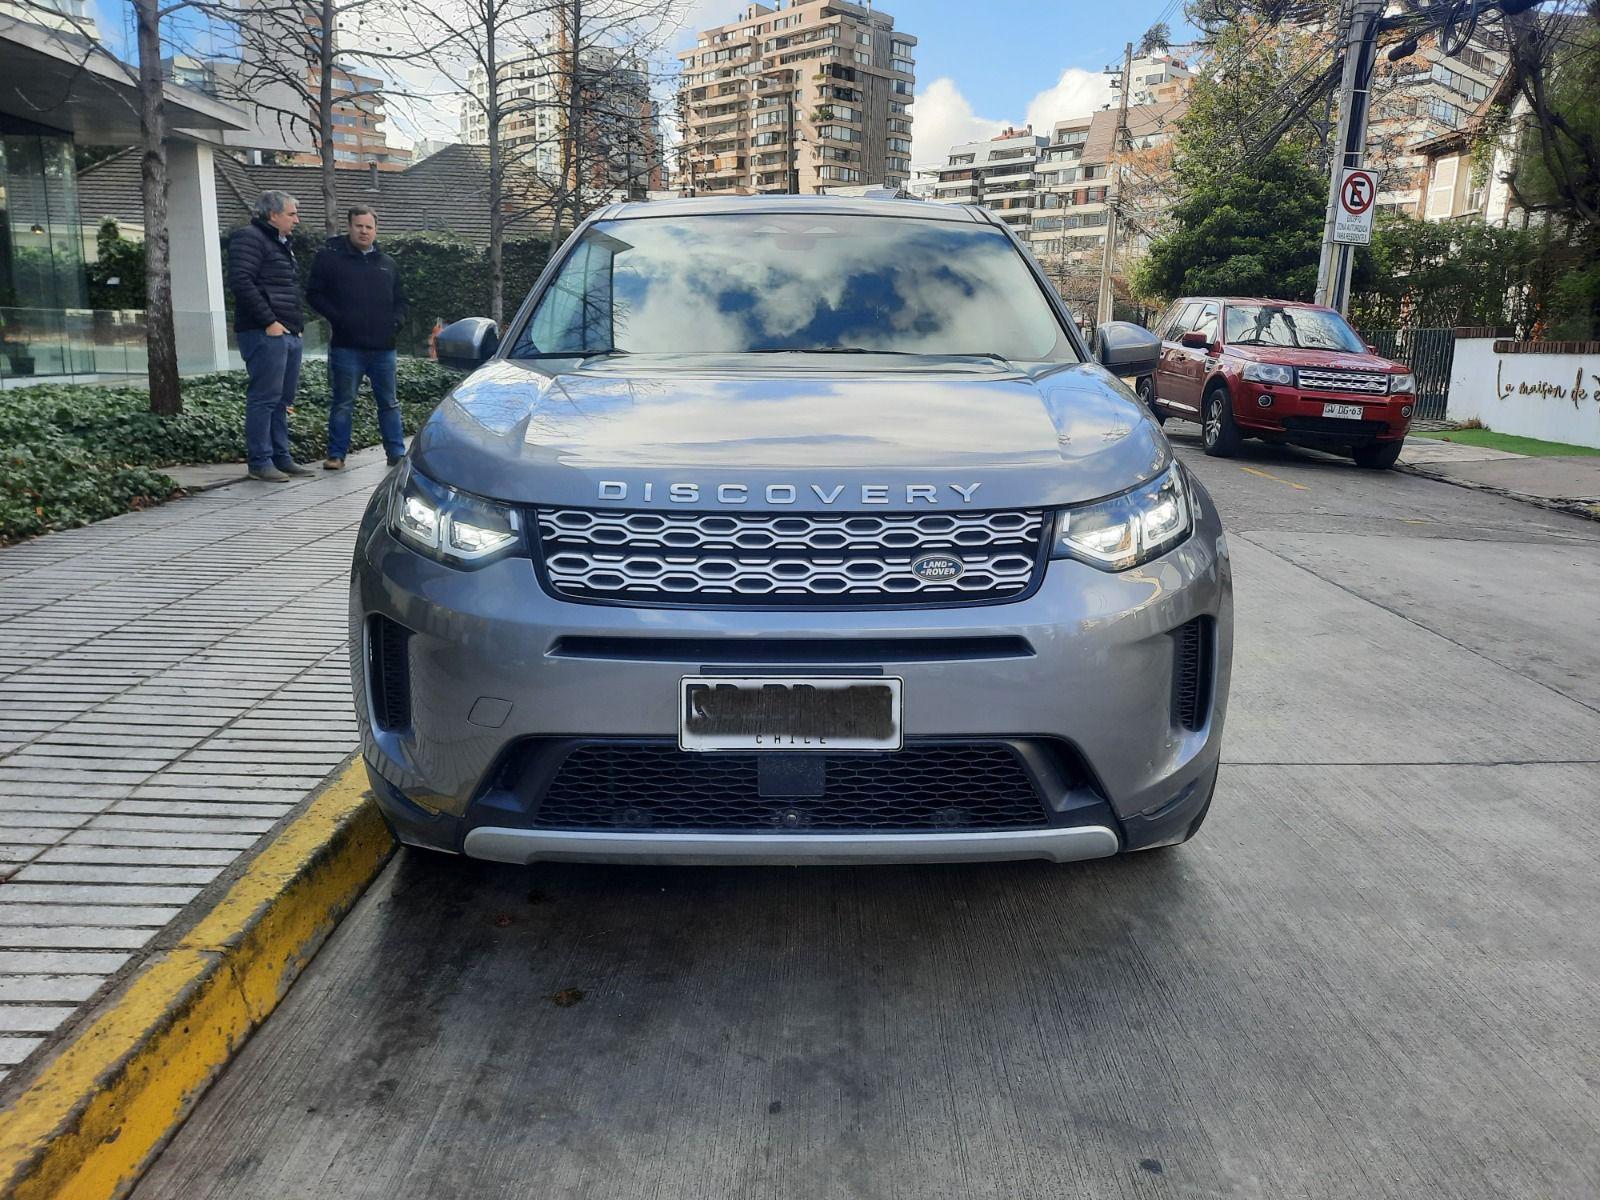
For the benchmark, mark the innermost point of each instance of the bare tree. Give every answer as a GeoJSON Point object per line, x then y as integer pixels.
{"type": "Point", "coordinates": [291, 66]}
{"type": "Point", "coordinates": [515, 61]}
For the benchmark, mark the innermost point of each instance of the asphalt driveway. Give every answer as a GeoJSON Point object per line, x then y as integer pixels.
{"type": "Point", "coordinates": [1376, 973]}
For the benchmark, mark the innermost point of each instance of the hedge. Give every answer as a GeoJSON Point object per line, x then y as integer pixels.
{"type": "Point", "coordinates": [75, 453]}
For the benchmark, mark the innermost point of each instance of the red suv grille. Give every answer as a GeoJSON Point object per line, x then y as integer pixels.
{"type": "Point", "coordinates": [1368, 383]}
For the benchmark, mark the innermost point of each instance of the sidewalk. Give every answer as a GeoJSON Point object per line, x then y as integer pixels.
{"type": "Point", "coordinates": [1571, 484]}
{"type": "Point", "coordinates": [172, 683]}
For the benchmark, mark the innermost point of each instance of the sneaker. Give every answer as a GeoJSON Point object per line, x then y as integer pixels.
{"type": "Point", "coordinates": [396, 459]}
{"type": "Point", "coordinates": [268, 474]}
{"type": "Point", "coordinates": [293, 468]}
{"type": "Point", "coordinates": [333, 464]}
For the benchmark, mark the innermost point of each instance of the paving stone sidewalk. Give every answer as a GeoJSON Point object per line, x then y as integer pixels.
{"type": "Point", "coordinates": [172, 683]}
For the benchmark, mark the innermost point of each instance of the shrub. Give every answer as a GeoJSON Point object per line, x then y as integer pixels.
{"type": "Point", "coordinates": [75, 454]}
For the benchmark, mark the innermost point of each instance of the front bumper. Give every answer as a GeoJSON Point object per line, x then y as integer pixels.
{"type": "Point", "coordinates": [502, 675]}
{"type": "Point", "coordinates": [1274, 410]}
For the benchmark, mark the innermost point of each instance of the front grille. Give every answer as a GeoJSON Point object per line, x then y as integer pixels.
{"type": "Point", "coordinates": [1367, 383]}
{"type": "Point", "coordinates": [1335, 427]}
{"type": "Point", "coordinates": [1191, 685]}
{"type": "Point", "coordinates": [389, 672]}
{"type": "Point", "coordinates": [763, 558]}
{"type": "Point", "coordinates": [925, 789]}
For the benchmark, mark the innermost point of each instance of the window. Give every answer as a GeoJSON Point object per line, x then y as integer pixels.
{"type": "Point", "coordinates": [1297, 328]}
{"type": "Point", "coordinates": [957, 160]}
{"type": "Point", "coordinates": [862, 58]}
{"type": "Point", "coordinates": [733, 283]}
{"type": "Point", "coordinates": [901, 88]}
{"type": "Point", "coordinates": [903, 64]}
{"type": "Point", "coordinates": [863, 39]}
{"type": "Point", "coordinates": [897, 164]}
{"type": "Point", "coordinates": [839, 133]}
{"type": "Point", "coordinates": [903, 145]}
{"type": "Point", "coordinates": [898, 126]}
{"type": "Point", "coordinates": [1445, 112]}
{"type": "Point", "coordinates": [1183, 321]}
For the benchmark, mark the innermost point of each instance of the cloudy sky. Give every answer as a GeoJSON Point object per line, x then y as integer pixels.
{"type": "Point", "coordinates": [981, 64]}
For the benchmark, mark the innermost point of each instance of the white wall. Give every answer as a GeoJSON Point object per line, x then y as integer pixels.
{"type": "Point", "coordinates": [1554, 397]}
{"type": "Point", "coordinates": [196, 258]}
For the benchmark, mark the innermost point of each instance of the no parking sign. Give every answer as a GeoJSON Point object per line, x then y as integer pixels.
{"type": "Point", "coordinates": [1358, 197]}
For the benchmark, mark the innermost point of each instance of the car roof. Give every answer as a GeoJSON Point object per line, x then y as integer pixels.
{"type": "Point", "coordinates": [710, 205]}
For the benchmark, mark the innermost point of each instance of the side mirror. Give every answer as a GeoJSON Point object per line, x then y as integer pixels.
{"type": "Point", "coordinates": [468, 343]}
{"type": "Point", "coordinates": [1124, 348]}
{"type": "Point", "coordinates": [1195, 340]}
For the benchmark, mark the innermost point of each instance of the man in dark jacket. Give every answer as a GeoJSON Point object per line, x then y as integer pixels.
{"type": "Point", "coordinates": [357, 287]}
{"type": "Point", "coordinates": [268, 318]}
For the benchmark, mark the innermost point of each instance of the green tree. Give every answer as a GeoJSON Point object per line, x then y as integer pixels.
{"type": "Point", "coordinates": [1255, 233]}
{"type": "Point", "coordinates": [1436, 274]}
{"type": "Point", "coordinates": [116, 277]}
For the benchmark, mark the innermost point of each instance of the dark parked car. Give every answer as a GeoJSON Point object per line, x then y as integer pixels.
{"type": "Point", "coordinates": [1279, 371]}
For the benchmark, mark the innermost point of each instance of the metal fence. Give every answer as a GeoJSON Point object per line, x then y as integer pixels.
{"type": "Point", "coordinates": [1429, 353]}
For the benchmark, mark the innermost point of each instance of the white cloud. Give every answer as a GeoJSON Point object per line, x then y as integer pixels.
{"type": "Point", "coordinates": [942, 117]}
{"type": "Point", "coordinates": [1076, 94]}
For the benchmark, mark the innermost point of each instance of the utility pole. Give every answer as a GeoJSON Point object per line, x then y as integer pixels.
{"type": "Point", "coordinates": [1355, 94]}
{"type": "Point", "coordinates": [1102, 312]}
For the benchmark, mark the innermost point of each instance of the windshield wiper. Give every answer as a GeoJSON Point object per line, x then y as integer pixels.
{"type": "Point", "coordinates": [586, 355]}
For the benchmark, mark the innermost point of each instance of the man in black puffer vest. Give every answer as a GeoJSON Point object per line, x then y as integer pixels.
{"type": "Point", "coordinates": [357, 287]}
{"type": "Point", "coordinates": [268, 318]}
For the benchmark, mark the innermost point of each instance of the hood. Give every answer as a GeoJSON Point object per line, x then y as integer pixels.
{"type": "Point", "coordinates": [1326, 359]}
{"type": "Point", "coordinates": [705, 435]}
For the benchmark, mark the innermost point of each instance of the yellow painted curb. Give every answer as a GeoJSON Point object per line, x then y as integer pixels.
{"type": "Point", "coordinates": [100, 1109]}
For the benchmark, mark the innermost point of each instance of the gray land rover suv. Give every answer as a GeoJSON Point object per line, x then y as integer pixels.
{"type": "Point", "coordinates": [791, 529]}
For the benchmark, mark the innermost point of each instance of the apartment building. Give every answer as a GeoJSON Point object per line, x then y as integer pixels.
{"type": "Point", "coordinates": [1418, 100]}
{"type": "Point", "coordinates": [1158, 79]}
{"type": "Point", "coordinates": [278, 73]}
{"type": "Point", "coordinates": [530, 94]}
{"type": "Point", "coordinates": [621, 143]}
{"type": "Point", "coordinates": [1077, 177]}
{"type": "Point", "coordinates": [998, 174]}
{"type": "Point", "coordinates": [797, 96]}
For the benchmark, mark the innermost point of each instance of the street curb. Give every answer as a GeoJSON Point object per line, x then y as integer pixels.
{"type": "Point", "coordinates": [100, 1109]}
{"type": "Point", "coordinates": [1575, 508]}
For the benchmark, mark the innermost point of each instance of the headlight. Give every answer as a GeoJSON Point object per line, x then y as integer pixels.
{"type": "Point", "coordinates": [1403, 383]}
{"type": "Point", "coordinates": [453, 527]}
{"type": "Point", "coordinates": [1268, 373]}
{"type": "Point", "coordinates": [1126, 530]}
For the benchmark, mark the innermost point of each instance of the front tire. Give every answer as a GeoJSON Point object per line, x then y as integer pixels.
{"type": "Point", "coordinates": [1379, 456]}
{"type": "Point", "coordinates": [1218, 433]}
{"type": "Point", "coordinates": [1145, 388]}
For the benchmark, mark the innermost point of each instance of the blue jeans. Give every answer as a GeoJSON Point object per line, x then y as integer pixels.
{"type": "Point", "coordinates": [274, 367]}
{"type": "Point", "coordinates": [346, 366]}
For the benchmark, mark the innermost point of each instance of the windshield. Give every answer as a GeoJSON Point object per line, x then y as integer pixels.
{"type": "Point", "coordinates": [1296, 328]}
{"type": "Point", "coordinates": [792, 282]}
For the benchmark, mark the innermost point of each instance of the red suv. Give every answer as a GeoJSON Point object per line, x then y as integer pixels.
{"type": "Point", "coordinates": [1279, 371]}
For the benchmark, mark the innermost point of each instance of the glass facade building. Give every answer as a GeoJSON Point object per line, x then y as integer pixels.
{"type": "Point", "coordinates": [43, 288]}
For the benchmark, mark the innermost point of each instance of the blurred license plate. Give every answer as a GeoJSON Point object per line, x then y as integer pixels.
{"type": "Point", "coordinates": [1353, 411]}
{"type": "Point", "coordinates": [750, 712]}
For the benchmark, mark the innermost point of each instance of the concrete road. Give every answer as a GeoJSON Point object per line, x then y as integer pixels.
{"type": "Point", "coordinates": [1376, 973]}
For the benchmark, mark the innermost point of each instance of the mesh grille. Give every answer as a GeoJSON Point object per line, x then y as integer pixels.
{"type": "Point", "coordinates": [1192, 674]}
{"type": "Point", "coordinates": [928, 789]}
{"type": "Point", "coordinates": [717, 559]}
{"type": "Point", "coordinates": [389, 663]}
{"type": "Point", "coordinates": [1365, 382]}
{"type": "Point", "coordinates": [1335, 427]}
